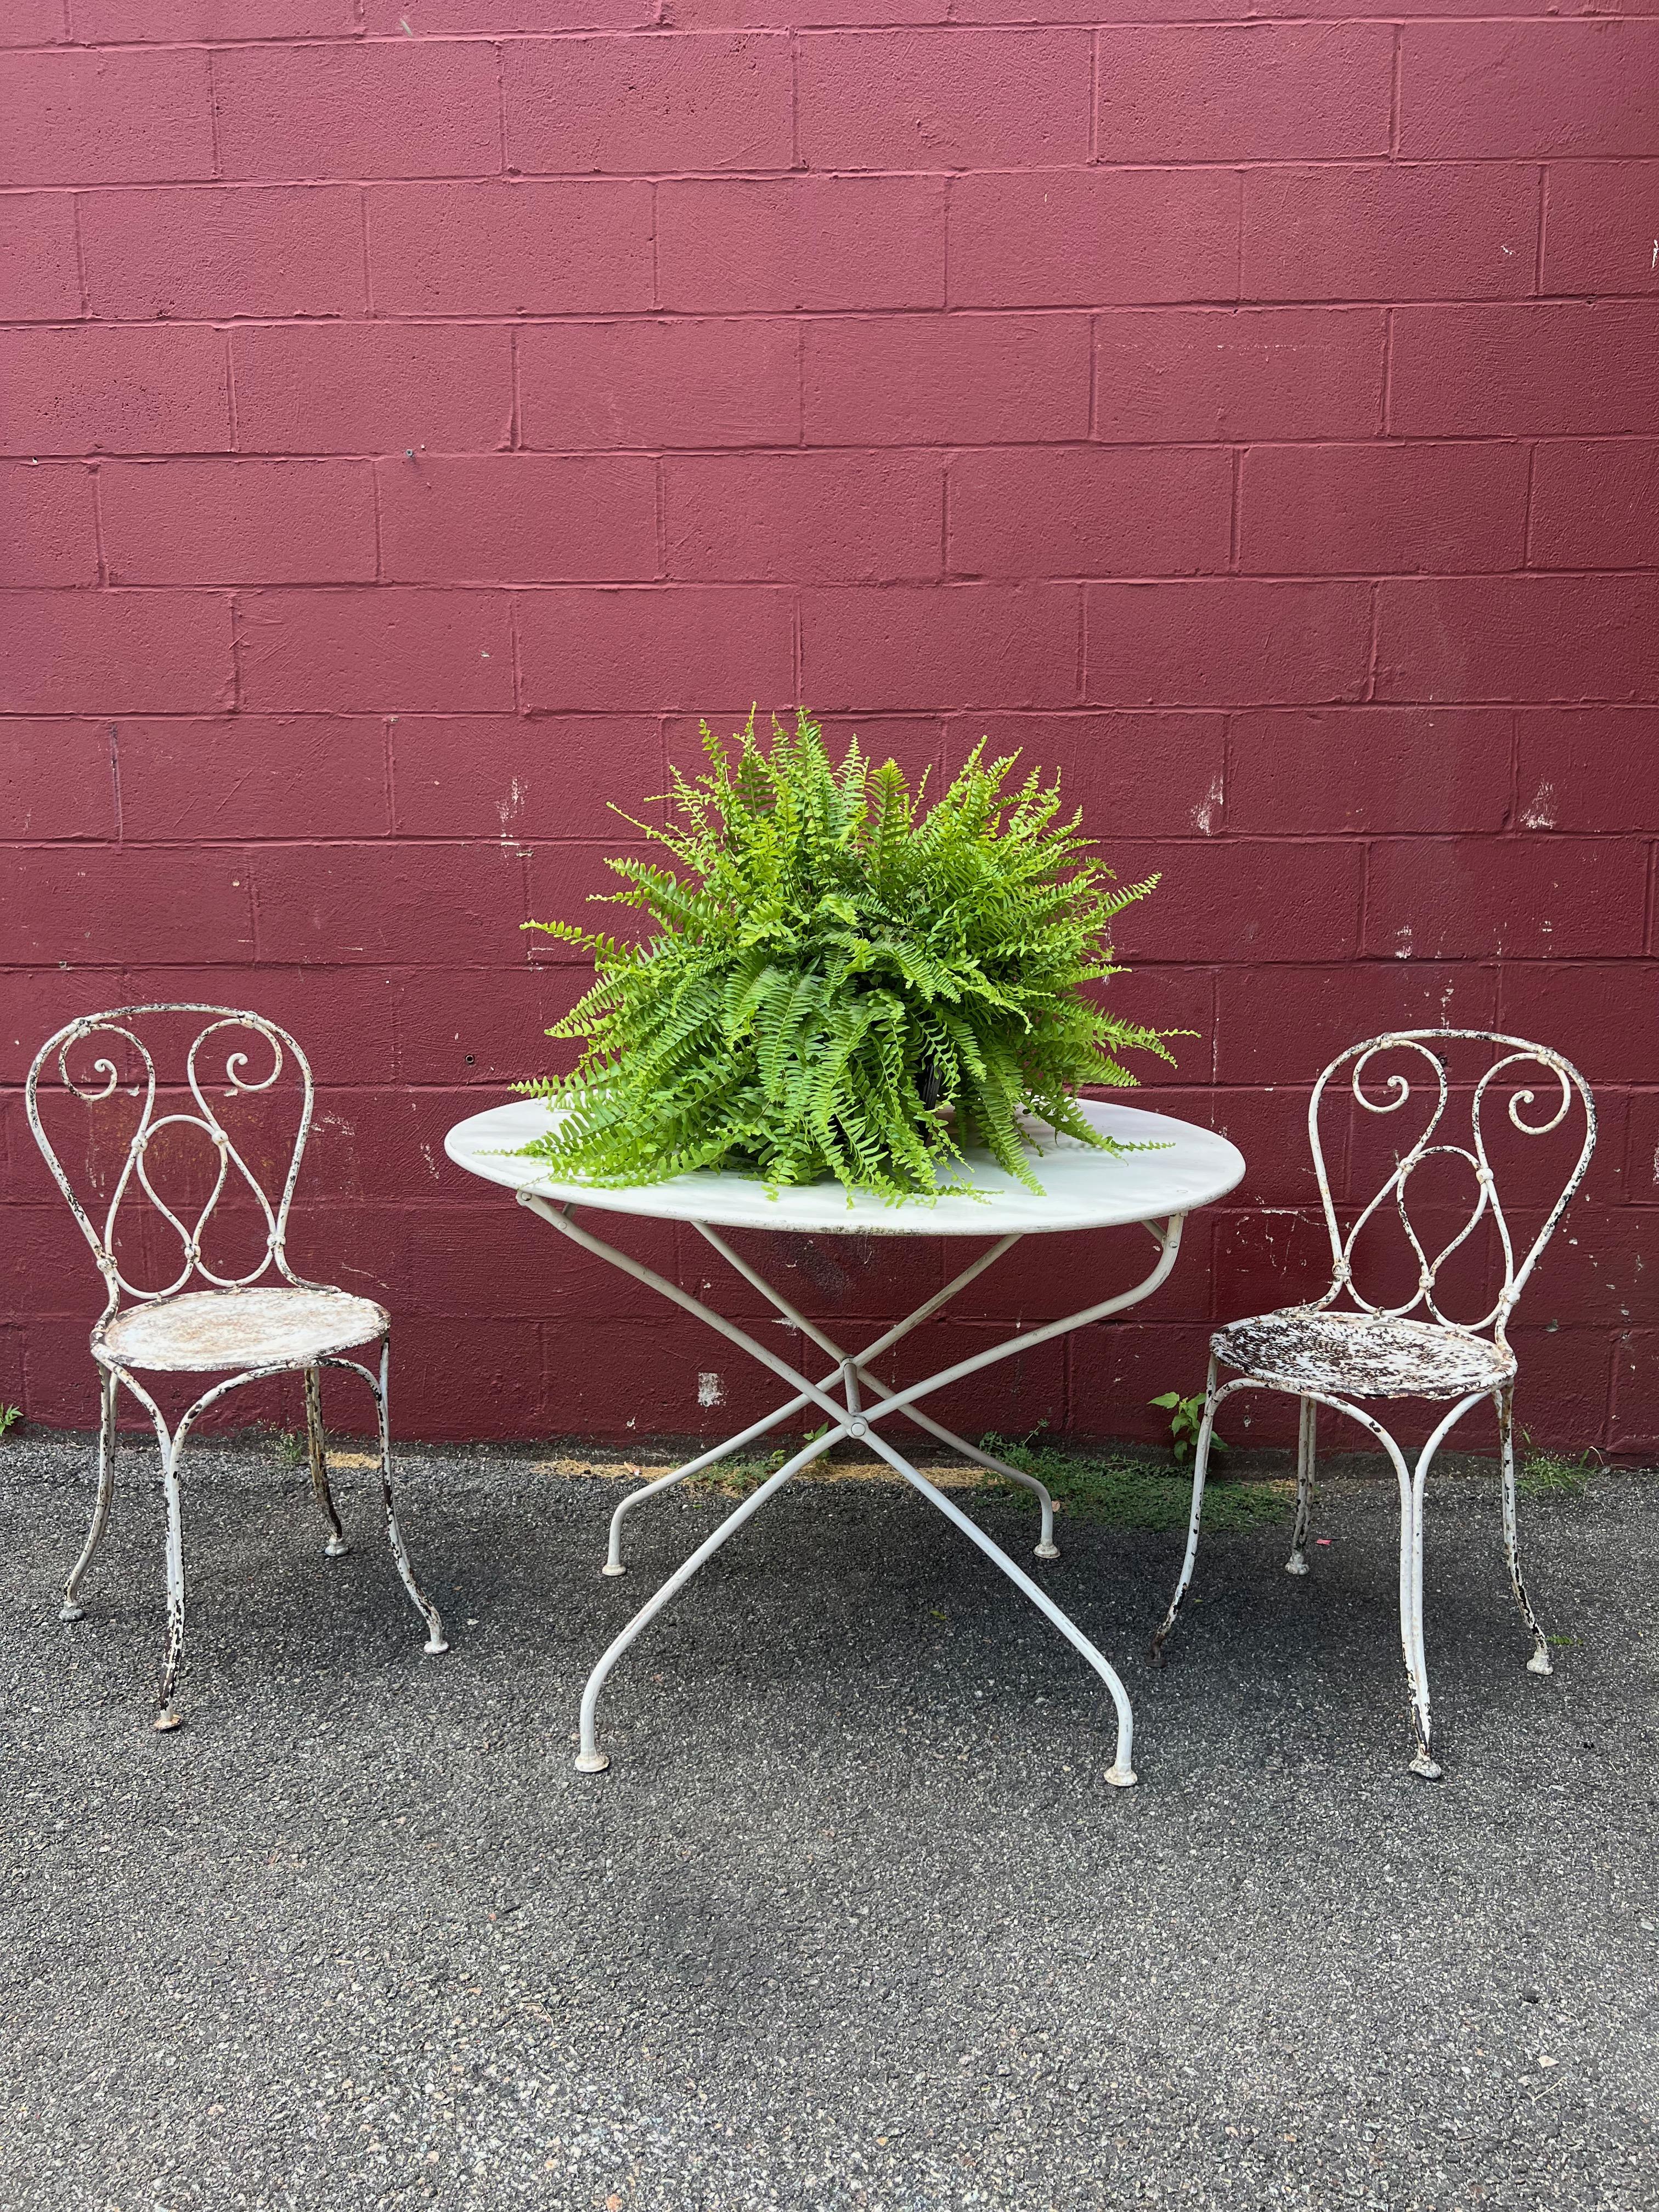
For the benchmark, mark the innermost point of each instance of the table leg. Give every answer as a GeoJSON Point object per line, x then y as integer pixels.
{"type": "Point", "coordinates": [1046, 1547]}
{"type": "Point", "coordinates": [613, 1563]}
{"type": "Point", "coordinates": [854, 1366]}
{"type": "Point", "coordinates": [1120, 1774]}
{"type": "Point", "coordinates": [847, 1418]}
{"type": "Point", "coordinates": [590, 1760]}
{"type": "Point", "coordinates": [613, 1558]}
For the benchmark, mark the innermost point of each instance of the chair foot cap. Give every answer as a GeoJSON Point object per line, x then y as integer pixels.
{"type": "Point", "coordinates": [1297, 1565]}
{"type": "Point", "coordinates": [1121, 1777]}
{"type": "Point", "coordinates": [607, 1569]}
{"type": "Point", "coordinates": [70, 1611]}
{"type": "Point", "coordinates": [1538, 1664]}
{"type": "Point", "coordinates": [1423, 1766]}
{"type": "Point", "coordinates": [435, 1647]}
{"type": "Point", "coordinates": [1048, 1550]}
{"type": "Point", "coordinates": [166, 1720]}
{"type": "Point", "coordinates": [591, 1762]}
{"type": "Point", "coordinates": [336, 1548]}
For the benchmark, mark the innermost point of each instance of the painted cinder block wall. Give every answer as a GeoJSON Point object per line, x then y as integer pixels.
{"type": "Point", "coordinates": [418, 412]}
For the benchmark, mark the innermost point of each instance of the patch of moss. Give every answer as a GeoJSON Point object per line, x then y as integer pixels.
{"type": "Point", "coordinates": [1121, 1490]}
{"type": "Point", "coordinates": [1117, 1489]}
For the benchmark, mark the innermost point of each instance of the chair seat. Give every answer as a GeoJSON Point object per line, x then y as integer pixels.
{"type": "Point", "coordinates": [1358, 1355]}
{"type": "Point", "coordinates": [209, 1330]}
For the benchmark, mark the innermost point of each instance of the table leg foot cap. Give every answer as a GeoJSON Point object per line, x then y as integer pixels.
{"type": "Point", "coordinates": [1426, 1767]}
{"type": "Point", "coordinates": [1296, 1565]}
{"type": "Point", "coordinates": [609, 1569]}
{"type": "Point", "coordinates": [594, 1762]}
{"type": "Point", "coordinates": [336, 1548]}
{"type": "Point", "coordinates": [1538, 1664]}
{"type": "Point", "coordinates": [166, 1720]}
{"type": "Point", "coordinates": [1121, 1777]}
{"type": "Point", "coordinates": [70, 1611]}
{"type": "Point", "coordinates": [1048, 1550]}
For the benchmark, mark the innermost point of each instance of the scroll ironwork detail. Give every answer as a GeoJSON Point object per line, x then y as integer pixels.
{"type": "Point", "coordinates": [102, 1080]}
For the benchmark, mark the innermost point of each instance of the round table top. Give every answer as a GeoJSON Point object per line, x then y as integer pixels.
{"type": "Point", "coordinates": [1083, 1188]}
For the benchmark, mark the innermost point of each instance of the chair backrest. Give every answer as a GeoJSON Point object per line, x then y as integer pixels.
{"type": "Point", "coordinates": [102, 1078]}
{"type": "Point", "coordinates": [1517, 1054]}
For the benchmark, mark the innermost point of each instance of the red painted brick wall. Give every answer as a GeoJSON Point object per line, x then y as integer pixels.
{"type": "Point", "coordinates": [417, 412]}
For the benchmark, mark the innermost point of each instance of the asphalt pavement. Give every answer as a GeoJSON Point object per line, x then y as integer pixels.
{"type": "Point", "coordinates": [851, 1921]}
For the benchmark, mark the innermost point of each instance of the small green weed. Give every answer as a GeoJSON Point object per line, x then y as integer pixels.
{"type": "Point", "coordinates": [1122, 1491]}
{"type": "Point", "coordinates": [9, 1416]}
{"type": "Point", "coordinates": [736, 1479]}
{"type": "Point", "coordinates": [1186, 1419]}
{"type": "Point", "coordinates": [1552, 1475]}
{"type": "Point", "coordinates": [290, 1446]}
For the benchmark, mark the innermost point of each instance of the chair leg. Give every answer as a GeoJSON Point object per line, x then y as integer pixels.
{"type": "Point", "coordinates": [1411, 1597]}
{"type": "Point", "coordinates": [71, 1609]}
{"type": "Point", "coordinates": [337, 1545]}
{"type": "Point", "coordinates": [1306, 1435]}
{"type": "Point", "coordinates": [167, 1717]}
{"type": "Point", "coordinates": [1540, 1662]}
{"type": "Point", "coordinates": [1200, 1465]}
{"type": "Point", "coordinates": [435, 1639]}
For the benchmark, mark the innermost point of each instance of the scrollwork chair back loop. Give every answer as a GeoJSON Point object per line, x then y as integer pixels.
{"type": "Point", "coordinates": [124, 1026]}
{"type": "Point", "coordinates": [1391, 1090]}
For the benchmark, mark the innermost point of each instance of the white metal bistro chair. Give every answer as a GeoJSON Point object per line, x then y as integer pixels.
{"type": "Point", "coordinates": [285, 1325]}
{"type": "Point", "coordinates": [1328, 1354]}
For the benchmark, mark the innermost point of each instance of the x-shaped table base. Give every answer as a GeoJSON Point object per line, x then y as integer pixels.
{"type": "Point", "coordinates": [853, 1402]}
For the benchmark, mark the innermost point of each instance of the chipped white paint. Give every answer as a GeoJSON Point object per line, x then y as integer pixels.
{"type": "Point", "coordinates": [1541, 815]}
{"type": "Point", "coordinates": [1402, 948]}
{"type": "Point", "coordinates": [206, 1331]}
{"type": "Point", "coordinates": [284, 1327]}
{"type": "Point", "coordinates": [1204, 813]}
{"type": "Point", "coordinates": [1380, 1356]}
{"type": "Point", "coordinates": [711, 1391]}
{"type": "Point", "coordinates": [1328, 1355]}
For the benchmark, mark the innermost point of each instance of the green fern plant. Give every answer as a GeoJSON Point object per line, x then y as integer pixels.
{"type": "Point", "coordinates": [840, 982]}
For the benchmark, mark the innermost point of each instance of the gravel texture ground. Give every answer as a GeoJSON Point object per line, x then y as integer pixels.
{"type": "Point", "coordinates": [851, 1921]}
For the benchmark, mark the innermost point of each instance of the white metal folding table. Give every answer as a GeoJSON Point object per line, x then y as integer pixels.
{"type": "Point", "coordinates": [1083, 1188]}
